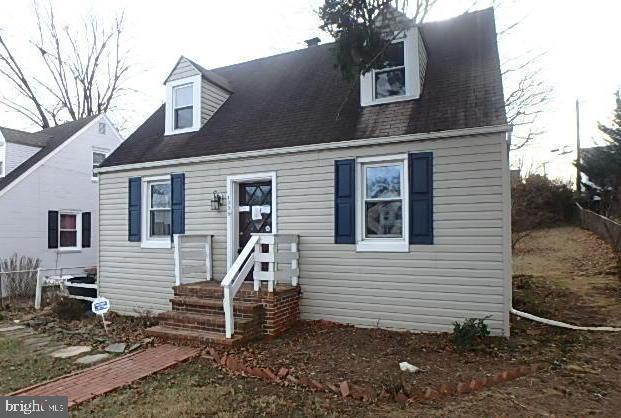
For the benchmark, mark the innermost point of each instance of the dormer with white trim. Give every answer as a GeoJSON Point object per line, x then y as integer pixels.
{"type": "Point", "coordinates": [400, 74]}
{"type": "Point", "coordinates": [193, 95]}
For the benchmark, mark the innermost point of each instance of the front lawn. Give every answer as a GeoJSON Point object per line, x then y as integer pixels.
{"type": "Point", "coordinates": [21, 367]}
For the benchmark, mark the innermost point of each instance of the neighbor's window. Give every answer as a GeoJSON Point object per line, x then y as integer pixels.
{"type": "Point", "coordinates": [389, 75]}
{"type": "Point", "coordinates": [68, 231]}
{"type": "Point", "coordinates": [159, 209]}
{"type": "Point", "coordinates": [98, 158]}
{"type": "Point", "coordinates": [183, 108]}
{"type": "Point", "coordinates": [102, 128]}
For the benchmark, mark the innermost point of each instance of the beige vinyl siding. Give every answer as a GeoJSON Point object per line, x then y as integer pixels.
{"type": "Point", "coordinates": [212, 97]}
{"type": "Point", "coordinates": [184, 69]}
{"type": "Point", "coordinates": [464, 274]}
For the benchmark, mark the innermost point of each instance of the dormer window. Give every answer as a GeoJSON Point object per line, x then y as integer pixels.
{"type": "Point", "coordinates": [183, 106]}
{"type": "Point", "coordinates": [390, 75]}
{"type": "Point", "coordinates": [399, 75]}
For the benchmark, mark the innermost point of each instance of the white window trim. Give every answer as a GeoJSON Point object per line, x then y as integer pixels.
{"type": "Point", "coordinates": [382, 244]}
{"type": "Point", "coordinates": [3, 152]}
{"type": "Point", "coordinates": [78, 225]}
{"type": "Point", "coordinates": [195, 81]}
{"type": "Point", "coordinates": [412, 74]}
{"type": "Point", "coordinates": [104, 151]}
{"type": "Point", "coordinates": [232, 212]}
{"type": "Point", "coordinates": [146, 241]}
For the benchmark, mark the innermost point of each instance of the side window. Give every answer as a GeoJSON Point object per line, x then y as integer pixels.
{"type": "Point", "coordinates": [389, 76]}
{"type": "Point", "coordinates": [98, 157]}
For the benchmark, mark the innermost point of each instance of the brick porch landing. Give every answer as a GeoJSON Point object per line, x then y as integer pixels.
{"type": "Point", "coordinates": [197, 315]}
{"type": "Point", "coordinates": [106, 377]}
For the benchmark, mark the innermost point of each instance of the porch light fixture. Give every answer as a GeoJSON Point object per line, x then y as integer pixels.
{"type": "Point", "coordinates": [216, 202]}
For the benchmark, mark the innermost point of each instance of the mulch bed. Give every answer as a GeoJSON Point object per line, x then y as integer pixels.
{"type": "Point", "coordinates": [370, 358]}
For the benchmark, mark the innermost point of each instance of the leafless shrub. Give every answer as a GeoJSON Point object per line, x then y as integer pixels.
{"type": "Point", "coordinates": [18, 277]}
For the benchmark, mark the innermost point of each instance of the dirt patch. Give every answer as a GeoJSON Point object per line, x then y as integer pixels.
{"type": "Point", "coordinates": [570, 259]}
{"type": "Point", "coordinates": [370, 357]}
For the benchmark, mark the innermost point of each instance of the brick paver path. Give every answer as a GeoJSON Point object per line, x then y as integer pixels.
{"type": "Point", "coordinates": [110, 375]}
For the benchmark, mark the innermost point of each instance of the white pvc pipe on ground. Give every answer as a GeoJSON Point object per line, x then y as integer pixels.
{"type": "Point", "coordinates": [561, 324]}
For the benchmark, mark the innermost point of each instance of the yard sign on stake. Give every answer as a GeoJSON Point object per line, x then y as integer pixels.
{"type": "Point", "coordinates": [101, 306]}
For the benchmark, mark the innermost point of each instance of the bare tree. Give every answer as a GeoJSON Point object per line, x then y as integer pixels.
{"type": "Point", "coordinates": [527, 93]}
{"type": "Point", "coordinates": [81, 72]}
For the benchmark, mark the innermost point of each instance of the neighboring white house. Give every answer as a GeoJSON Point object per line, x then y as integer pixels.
{"type": "Point", "coordinates": [49, 191]}
{"type": "Point", "coordinates": [396, 194]}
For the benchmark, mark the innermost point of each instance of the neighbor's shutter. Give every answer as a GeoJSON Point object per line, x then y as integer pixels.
{"type": "Point", "coordinates": [177, 182]}
{"type": "Point", "coordinates": [421, 198]}
{"type": "Point", "coordinates": [86, 230]}
{"type": "Point", "coordinates": [52, 229]}
{"type": "Point", "coordinates": [134, 209]}
{"type": "Point", "coordinates": [344, 202]}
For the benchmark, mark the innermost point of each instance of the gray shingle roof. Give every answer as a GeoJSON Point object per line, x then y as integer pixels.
{"type": "Point", "coordinates": [300, 98]}
{"type": "Point", "coordinates": [52, 138]}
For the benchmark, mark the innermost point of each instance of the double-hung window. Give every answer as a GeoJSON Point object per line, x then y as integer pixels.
{"type": "Point", "coordinates": [98, 157]}
{"type": "Point", "coordinates": [183, 106]}
{"type": "Point", "coordinates": [389, 75]}
{"type": "Point", "coordinates": [158, 213]}
{"type": "Point", "coordinates": [69, 231]}
{"type": "Point", "coordinates": [383, 204]}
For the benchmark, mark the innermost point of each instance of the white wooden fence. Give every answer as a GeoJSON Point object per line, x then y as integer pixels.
{"type": "Point", "coordinates": [62, 280]}
{"type": "Point", "coordinates": [193, 258]}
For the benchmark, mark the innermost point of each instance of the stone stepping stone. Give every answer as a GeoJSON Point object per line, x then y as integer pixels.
{"type": "Point", "coordinates": [115, 348]}
{"type": "Point", "coordinates": [49, 350]}
{"type": "Point", "coordinates": [12, 328]}
{"type": "Point", "coordinates": [93, 358]}
{"type": "Point", "coordinates": [71, 351]}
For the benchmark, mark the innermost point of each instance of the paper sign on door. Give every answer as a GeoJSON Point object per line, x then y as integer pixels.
{"type": "Point", "coordinates": [256, 213]}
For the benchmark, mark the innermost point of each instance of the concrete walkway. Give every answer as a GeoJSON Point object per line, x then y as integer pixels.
{"type": "Point", "coordinates": [110, 375]}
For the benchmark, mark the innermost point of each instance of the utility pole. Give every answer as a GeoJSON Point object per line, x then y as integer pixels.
{"type": "Point", "coordinates": [578, 174]}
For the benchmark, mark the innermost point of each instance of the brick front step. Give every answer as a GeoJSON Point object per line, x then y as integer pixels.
{"type": "Point", "coordinates": [213, 323]}
{"type": "Point", "coordinates": [194, 337]}
{"type": "Point", "coordinates": [215, 307]}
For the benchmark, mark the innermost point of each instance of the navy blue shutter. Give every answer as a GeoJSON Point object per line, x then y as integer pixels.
{"type": "Point", "coordinates": [344, 202]}
{"type": "Point", "coordinates": [421, 198]}
{"type": "Point", "coordinates": [177, 192]}
{"type": "Point", "coordinates": [135, 194]}
{"type": "Point", "coordinates": [52, 229]}
{"type": "Point", "coordinates": [86, 230]}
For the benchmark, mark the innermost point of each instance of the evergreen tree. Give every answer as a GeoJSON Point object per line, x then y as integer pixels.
{"type": "Point", "coordinates": [602, 164]}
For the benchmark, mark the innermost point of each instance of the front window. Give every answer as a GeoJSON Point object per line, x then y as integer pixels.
{"type": "Point", "coordinates": [159, 209]}
{"type": "Point", "coordinates": [68, 231]}
{"type": "Point", "coordinates": [98, 158]}
{"type": "Point", "coordinates": [389, 75]}
{"type": "Point", "coordinates": [383, 186]}
{"type": "Point", "coordinates": [183, 108]}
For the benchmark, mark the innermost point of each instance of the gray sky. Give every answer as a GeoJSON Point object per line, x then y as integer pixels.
{"type": "Point", "coordinates": [580, 62]}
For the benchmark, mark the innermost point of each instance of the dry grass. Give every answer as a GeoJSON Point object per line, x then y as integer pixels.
{"type": "Point", "coordinates": [574, 260]}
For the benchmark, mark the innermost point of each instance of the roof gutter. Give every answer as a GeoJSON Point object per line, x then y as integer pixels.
{"type": "Point", "coordinates": [312, 147]}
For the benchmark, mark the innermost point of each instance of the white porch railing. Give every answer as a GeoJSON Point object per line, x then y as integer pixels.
{"type": "Point", "coordinates": [193, 257]}
{"type": "Point", "coordinates": [282, 265]}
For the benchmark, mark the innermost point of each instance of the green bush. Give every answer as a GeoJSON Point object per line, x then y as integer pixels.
{"type": "Point", "coordinates": [470, 332]}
